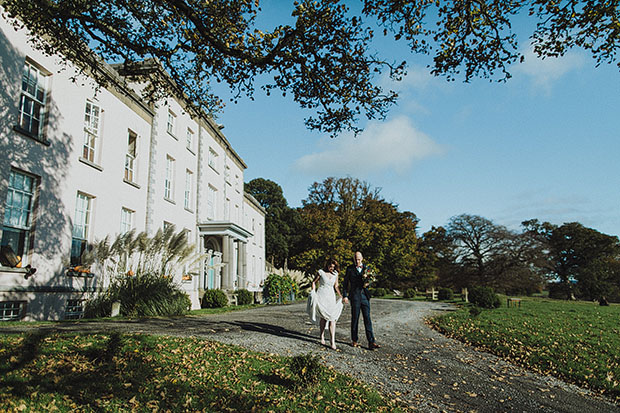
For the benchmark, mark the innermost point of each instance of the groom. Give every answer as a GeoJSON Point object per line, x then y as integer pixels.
{"type": "Point", "coordinates": [356, 291]}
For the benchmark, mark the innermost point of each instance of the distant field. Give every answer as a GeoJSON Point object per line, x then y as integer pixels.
{"type": "Point", "coordinates": [576, 341]}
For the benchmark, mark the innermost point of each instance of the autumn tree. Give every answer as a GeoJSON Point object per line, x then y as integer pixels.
{"type": "Point", "coordinates": [281, 222]}
{"type": "Point", "coordinates": [342, 215]}
{"type": "Point", "coordinates": [323, 56]}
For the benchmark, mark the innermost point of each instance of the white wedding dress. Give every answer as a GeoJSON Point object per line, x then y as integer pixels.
{"type": "Point", "coordinates": [322, 303]}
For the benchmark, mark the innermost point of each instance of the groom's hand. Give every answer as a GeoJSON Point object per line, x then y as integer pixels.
{"type": "Point", "coordinates": [345, 300]}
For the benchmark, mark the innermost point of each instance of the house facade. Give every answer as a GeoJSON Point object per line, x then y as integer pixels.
{"type": "Point", "coordinates": [80, 162]}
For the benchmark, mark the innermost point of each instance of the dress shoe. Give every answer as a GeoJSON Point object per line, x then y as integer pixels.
{"type": "Point", "coordinates": [373, 346]}
{"type": "Point", "coordinates": [354, 344]}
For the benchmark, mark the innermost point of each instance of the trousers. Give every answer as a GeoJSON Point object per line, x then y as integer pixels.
{"type": "Point", "coordinates": [361, 304]}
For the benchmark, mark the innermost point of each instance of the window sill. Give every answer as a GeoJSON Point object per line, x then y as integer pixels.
{"type": "Point", "coordinates": [15, 270]}
{"type": "Point", "coordinates": [191, 151]}
{"type": "Point", "coordinates": [170, 200]}
{"type": "Point", "coordinates": [173, 135]}
{"type": "Point", "coordinates": [91, 164]}
{"type": "Point", "coordinates": [24, 132]}
{"type": "Point", "coordinates": [214, 169]}
{"type": "Point", "coordinates": [132, 183]}
{"type": "Point", "coordinates": [189, 210]}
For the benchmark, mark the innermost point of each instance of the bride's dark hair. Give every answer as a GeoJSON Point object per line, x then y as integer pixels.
{"type": "Point", "coordinates": [329, 262]}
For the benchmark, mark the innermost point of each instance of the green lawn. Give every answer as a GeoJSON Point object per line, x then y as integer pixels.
{"type": "Point", "coordinates": [116, 372]}
{"type": "Point", "coordinates": [576, 341]}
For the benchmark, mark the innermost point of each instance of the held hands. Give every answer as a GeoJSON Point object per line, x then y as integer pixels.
{"type": "Point", "coordinates": [345, 300]}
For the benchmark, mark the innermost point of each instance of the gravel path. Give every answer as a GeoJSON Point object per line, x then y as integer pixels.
{"type": "Point", "coordinates": [416, 365]}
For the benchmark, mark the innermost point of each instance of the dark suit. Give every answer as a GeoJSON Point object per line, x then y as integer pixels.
{"type": "Point", "coordinates": [359, 296]}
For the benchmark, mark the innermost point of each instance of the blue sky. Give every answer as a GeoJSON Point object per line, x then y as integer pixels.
{"type": "Point", "coordinates": [543, 145]}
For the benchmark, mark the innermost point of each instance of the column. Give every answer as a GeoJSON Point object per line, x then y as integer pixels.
{"type": "Point", "coordinates": [243, 265]}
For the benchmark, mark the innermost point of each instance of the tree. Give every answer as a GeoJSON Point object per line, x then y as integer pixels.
{"type": "Point", "coordinates": [323, 58]}
{"type": "Point", "coordinates": [603, 280]}
{"type": "Point", "coordinates": [491, 255]}
{"type": "Point", "coordinates": [342, 215]}
{"type": "Point", "coordinates": [281, 221]}
{"type": "Point", "coordinates": [571, 248]}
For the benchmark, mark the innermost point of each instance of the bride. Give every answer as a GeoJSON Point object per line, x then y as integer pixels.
{"type": "Point", "coordinates": [322, 302]}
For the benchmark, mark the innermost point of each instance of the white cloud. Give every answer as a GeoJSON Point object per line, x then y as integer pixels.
{"type": "Point", "coordinates": [544, 72]}
{"type": "Point", "coordinates": [390, 146]}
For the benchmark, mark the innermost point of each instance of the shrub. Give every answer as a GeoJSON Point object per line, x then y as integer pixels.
{"type": "Point", "coordinates": [244, 297]}
{"type": "Point", "coordinates": [307, 368]}
{"type": "Point", "coordinates": [379, 292]}
{"type": "Point", "coordinates": [410, 293]}
{"type": "Point", "coordinates": [99, 306]}
{"type": "Point", "coordinates": [214, 299]}
{"type": "Point", "coordinates": [280, 288]}
{"type": "Point", "coordinates": [445, 294]}
{"type": "Point", "coordinates": [484, 297]}
{"type": "Point", "coordinates": [143, 295]}
{"type": "Point", "coordinates": [475, 311]}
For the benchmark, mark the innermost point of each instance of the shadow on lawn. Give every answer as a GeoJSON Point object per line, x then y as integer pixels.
{"type": "Point", "coordinates": [106, 375]}
{"type": "Point", "coordinates": [273, 330]}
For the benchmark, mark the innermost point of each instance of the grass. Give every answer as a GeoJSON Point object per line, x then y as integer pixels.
{"type": "Point", "coordinates": [576, 341]}
{"type": "Point", "coordinates": [225, 309]}
{"type": "Point", "coordinates": [117, 372]}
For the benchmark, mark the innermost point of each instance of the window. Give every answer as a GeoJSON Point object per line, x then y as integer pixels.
{"type": "Point", "coordinates": [172, 122]}
{"type": "Point", "coordinates": [168, 225]}
{"type": "Point", "coordinates": [213, 159]}
{"type": "Point", "coordinates": [227, 210]}
{"type": "Point", "coordinates": [130, 157]}
{"type": "Point", "coordinates": [211, 202]}
{"type": "Point", "coordinates": [169, 180]}
{"type": "Point", "coordinates": [16, 227]}
{"type": "Point", "coordinates": [81, 224]}
{"type": "Point", "coordinates": [189, 185]}
{"type": "Point", "coordinates": [126, 220]}
{"type": "Point", "coordinates": [190, 139]}
{"type": "Point", "coordinates": [92, 116]}
{"type": "Point", "coordinates": [74, 309]}
{"type": "Point", "coordinates": [227, 174]}
{"type": "Point", "coordinates": [32, 100]}
{"type": "Point", "coordinates": [12, 310]}
{"type": "Point", "coordinates": [237, 183]}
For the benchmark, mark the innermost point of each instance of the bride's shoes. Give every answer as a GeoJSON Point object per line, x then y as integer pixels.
{"type": "Point", "coordinates": [333, 346]}
{"type": "Point", "coordinates": [323, 340]}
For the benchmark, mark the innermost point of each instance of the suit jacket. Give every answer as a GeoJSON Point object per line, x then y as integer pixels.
{"type": "Point", "coordinates": [353, 286]}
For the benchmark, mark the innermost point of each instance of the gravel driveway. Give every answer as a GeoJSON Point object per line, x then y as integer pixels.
{"type": "Point", "coordinates": [417, 365]}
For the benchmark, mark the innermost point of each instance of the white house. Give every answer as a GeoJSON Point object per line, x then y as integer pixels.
{"type": "Point", "coordinates": [79, 162]}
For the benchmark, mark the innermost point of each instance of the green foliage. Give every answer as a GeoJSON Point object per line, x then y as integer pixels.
{"type": "Point", "coordinates": [578, 253]}
{"type": "Point", "coordinates": [560, 290]}
{"type": "Point", "coordinates": [409, 293]}
{"type": "Point", "coordinates": [128, 254]}
{"type": "Point", "coordinates": [379, 292]}
{"type": "Point", "coordinates": [445, 294]}
{"type": "Point", "coordinates": [322, 56]}
{"type": "Point", "coordinates": [281, 222]}
{"type": "Point", "coordinates": [475, 311]}
{"type": "Point", "coordinates": [244, 297]}
{"type": "Point", "coordinates": [111, 372]}
{"type": "Point", "coordinates": [484, 297]}
{"type": "Point", "coordinates": [601, 278]}
{"type": "Point", "coordinates": [307, 368]}
{"type": "Point", "coordinates": [280, 288]}
{"type": "Point", "coordinates": [143, 295]}
{"type": "Point", "coordinates": [576, 341]}
{"type": "Point", "coordinates": [214, 299]}
{"type": "Point", "coordinates": [342, 215]}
